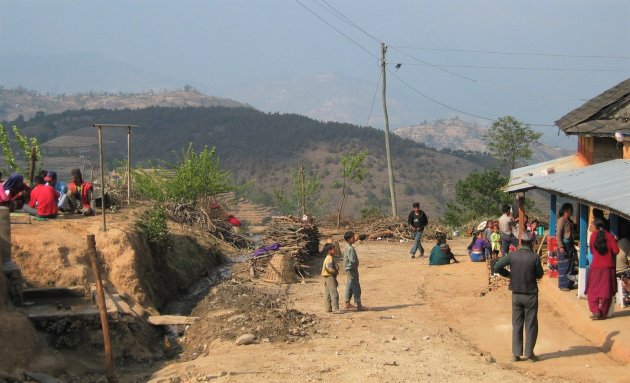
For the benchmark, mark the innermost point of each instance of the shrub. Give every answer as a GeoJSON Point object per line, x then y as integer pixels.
{"type": "Point", "coordinates": [152, 223]}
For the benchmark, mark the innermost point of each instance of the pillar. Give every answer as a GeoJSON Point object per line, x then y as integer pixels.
{"type": "Point", "coordinates": [552, 215]}
{"type": "Point", "coordinates": [583, 249]}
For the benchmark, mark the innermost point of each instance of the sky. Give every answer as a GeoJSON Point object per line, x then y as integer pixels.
{"type": "Point", "coordinates": [444, 47]}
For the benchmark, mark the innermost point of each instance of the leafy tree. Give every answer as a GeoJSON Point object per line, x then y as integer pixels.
{"type": "Point", "coordinates": [302, 196]}
{"type": "Point", "coordinates": [510, 141]}
{"type": "Point", "coordinates": [352, 171]}
{"type": "Point", "coordinates": [195, 176]}
{"type": "Point", "coordinates": [30, 150]}
{"type": "Point", "coordinates": [478, 195]}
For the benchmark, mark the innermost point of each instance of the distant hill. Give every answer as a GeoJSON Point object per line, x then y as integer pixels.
{"type": "Point", "coordinates": [258, 146]}
{"type": "Point", "coordinates": [457, 134]}
{"type": "Point", "coordinates": [20, 101]}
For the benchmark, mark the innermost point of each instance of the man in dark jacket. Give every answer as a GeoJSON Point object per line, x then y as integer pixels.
{"type": "Point", "coordinates": [525, 270]}
{"type": "Point", "coordinates": [417, 220]}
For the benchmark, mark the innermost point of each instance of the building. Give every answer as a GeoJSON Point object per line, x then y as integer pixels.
{"type": "Point", "coordinates": [597, 176]}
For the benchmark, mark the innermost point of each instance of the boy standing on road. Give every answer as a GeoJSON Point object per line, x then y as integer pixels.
{"type": "Point", "coordinates": [330, 270]}
{"type": "Point", "coordinates": [351, 265]}
{"type": "Point", "coordinates": [417, 220]}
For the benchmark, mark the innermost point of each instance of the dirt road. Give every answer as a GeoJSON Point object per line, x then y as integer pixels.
{"type": "Point", "coordinates": [437, 323]}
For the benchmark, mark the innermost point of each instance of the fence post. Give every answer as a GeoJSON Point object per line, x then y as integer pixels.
{"type": "Point", "coordinates": [102, 308]}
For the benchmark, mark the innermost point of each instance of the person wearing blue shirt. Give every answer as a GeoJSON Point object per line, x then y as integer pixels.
{"type": "Point", "coordinates": [61, 187]}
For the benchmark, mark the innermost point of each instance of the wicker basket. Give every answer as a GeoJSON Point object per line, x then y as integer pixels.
{"type": "Point", "coordinates": [280, 270]}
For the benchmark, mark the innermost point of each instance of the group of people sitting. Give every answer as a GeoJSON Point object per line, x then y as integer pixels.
{"type": "Point", "coordinates": [47, 196]}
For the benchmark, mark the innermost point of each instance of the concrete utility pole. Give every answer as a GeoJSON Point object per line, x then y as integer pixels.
{"type": "Point", "coordinates": [390, 171]}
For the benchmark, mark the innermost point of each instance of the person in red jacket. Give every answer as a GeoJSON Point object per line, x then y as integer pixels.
{"type": "Point", "coordinates": [601, 283]}
{"type": "Point", "coordinates": [79, 194]}
{"type": "Point", "coordinates": [43, 202]}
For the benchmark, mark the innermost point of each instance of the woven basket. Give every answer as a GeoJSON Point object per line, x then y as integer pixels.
{"type": "Point", "coordinates": [280, 270]}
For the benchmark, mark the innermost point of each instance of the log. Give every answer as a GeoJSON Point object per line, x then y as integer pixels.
{"type": "Point", "coordinates": [166, 320]}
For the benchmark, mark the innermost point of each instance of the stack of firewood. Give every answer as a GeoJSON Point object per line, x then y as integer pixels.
{"type": "Point", "coordinates": [393, 228]}
{"type": "Point", "coordinates": [297, 240]}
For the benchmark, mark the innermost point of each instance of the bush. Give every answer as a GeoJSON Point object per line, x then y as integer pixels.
{"type": "Point", "coordinates": [372, 212]}
{"type": "Point", "coordinates": [152, 223]}
{"type": "Point", "coordinates": [197, 175]}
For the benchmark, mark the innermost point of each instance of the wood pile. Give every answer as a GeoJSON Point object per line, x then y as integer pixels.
{"type": "Point", "coordinates": [204, 219]}
{"type": "Point", "coordinates": [297, 240]}
{"type": "Point", "coordinates": [393, 228]}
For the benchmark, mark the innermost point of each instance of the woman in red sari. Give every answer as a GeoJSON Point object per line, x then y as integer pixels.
{"type": "Point", "coordinates": [601, 283]}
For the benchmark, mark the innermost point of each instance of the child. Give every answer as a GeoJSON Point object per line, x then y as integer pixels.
{"type": "Point", "coordinates": [330, 270]}
{"type": "Point", "coordinates": [351, 265]}
{"type": "Point", "coordinates": [43, 202]}
{"type": "Point", "coordinates": [495, 239]}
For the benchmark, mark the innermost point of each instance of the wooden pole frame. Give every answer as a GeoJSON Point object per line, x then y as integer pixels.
{"type": "Point", "coordinates": [100, 149]}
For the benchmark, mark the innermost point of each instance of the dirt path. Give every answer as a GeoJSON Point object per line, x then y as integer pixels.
{"type": "Point", "coordinates": [424, 323]}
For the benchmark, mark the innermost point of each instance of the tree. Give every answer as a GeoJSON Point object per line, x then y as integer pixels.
{"type": "Point", "coordinates": [195, 176]}
{"type": "Point", "coordinates": [476, 196]}
{"type": "Point", "coordinates": [352, 170]}
{"type": "Point", "coordinates": [510, 141]}
{"type": "Point", "coordinates": [29, 146]}
{"type": "Point", "coordinates": [302, 197]}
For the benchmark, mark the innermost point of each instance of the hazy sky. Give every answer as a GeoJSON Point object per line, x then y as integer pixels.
{"type": "Point", "coordinates": [220, 45]}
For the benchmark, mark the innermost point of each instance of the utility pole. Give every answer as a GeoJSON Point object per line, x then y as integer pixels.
{"type": "Point", "coordinates": [390, 171]}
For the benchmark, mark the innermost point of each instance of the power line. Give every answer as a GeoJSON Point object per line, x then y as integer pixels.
{"type": "Point", "coordinates": [446, 105]}
{"type": "Point", "coordinates": [516, 53]}
{"type": "Point", "coordinates": [347, 20]}
{"type": "Point", "coordinates": [378, 85]}
{"type": "Point", "coordinates": [338, 30]}
{"type": "Point", "coordinates": [350, 22]}
{"type": "Point", "coordinates": [520, 68]}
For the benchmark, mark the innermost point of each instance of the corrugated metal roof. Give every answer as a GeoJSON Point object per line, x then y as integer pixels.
{"type": "Point", "coordinates": [602, 108]}
{"type": "Point", "coordinates": [519, 177]}
{"type": "Point", "coordinates": [605, 185]}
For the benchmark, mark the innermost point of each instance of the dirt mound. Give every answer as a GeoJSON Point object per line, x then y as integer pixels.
{"type": "Point", "coordinates": [235, 308]}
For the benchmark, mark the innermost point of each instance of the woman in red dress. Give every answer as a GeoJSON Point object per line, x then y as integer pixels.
{"type": "Point", "coordinates": [601, 283]}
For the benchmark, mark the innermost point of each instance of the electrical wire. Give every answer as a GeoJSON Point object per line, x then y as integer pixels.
{"type": "Point", "coordinates": [516, 53]}
{"type": "Point", "coordinates": [446, 105]}
{"type": "Point", "coordinates": [521, 68]}
{"type": "Point", "coordinates": [345, 19]}
{"type": "Point", "coordinates": [378, 85]}
{"type": "Point", "coordinates": [337, 29]}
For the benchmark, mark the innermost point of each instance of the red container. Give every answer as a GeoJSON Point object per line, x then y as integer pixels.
{"type": "Point", "coordinates": [552, 273]}
{"type": "Point", "coordinates": [552, 243]}
{"type": "Point", "coordinates": [552, 261]}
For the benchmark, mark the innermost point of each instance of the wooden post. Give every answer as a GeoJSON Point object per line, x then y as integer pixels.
{"type": "Point", "coordinates": [303, 190]}
{"type": "Point", "coordinates": [521, 216]}
{"type": "Point", "coordinates": [102, 308]}
{"type": "Point", "coordinates": [390, 170]}
{"type": "Point", "coordinates": [128, 166]}
{"type": "Point", "coordinates": [33, 162]}
{"type": "Point", "coordinates": [100, 150]}
{"type": "Point", "coordinates": [5, 235]}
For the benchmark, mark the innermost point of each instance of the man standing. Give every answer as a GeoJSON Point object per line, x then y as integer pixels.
{"type": "Point", "coordinates": [351, 264]}
{"type": "Point", "coordinates": [566, 247]}
{"type": "Point", "coordinates": [417, 220]}
{"type": "Point", "coordinates": [506, 226]}
{"type": "Point", "coordinates": [525, 270]}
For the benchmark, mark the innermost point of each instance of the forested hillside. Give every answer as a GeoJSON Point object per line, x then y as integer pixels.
{"type": "Point", "coordinates": [260, 147]}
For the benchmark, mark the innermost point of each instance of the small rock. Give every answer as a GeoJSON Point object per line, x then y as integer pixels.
{"type": "Point", "coordinates": [587, 365]}
{"type": "Point", "coordinates": [394, 363]}
{"type": "Point", "coordinates": [489, 359]}
{"type": "Point", "coordinates": [426, 337]}
{"type": "Point", "coordinates": [245, 339]}
{"type": "Point", "coordinates": [337, 353]}
{"type": "Point", "coordinates": [393, 338]}
{"type": "Point", "coordinates": [406, 349]}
